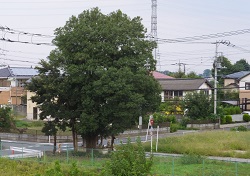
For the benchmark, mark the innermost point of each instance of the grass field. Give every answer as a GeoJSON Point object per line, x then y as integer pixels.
{"type": "Point", "coordinates": [210, 143]}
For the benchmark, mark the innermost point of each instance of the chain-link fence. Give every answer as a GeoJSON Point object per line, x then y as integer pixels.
{"type": "Point", "coordinates": [174, 165]}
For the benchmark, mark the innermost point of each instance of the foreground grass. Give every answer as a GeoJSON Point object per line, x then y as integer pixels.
{"type": "Point", "coordinates": [197, 146]}
{"type": "Point", "coordinates": [211, 143]}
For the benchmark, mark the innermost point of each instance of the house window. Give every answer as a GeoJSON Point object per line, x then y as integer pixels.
{"type": "Point", "coordinates": [205, 91]}
{"type": "Point", "coordinates": [178, 93]}
{"type": "Point", "coordinates": [168, 94]}
{"type": "Point", "coordinates": [247, 86]}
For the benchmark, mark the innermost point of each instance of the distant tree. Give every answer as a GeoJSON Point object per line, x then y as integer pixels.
{"type": "Point", "coordinates": [241, 65]}
{"type": "Point", "coordinates": [207, 73]}
{"type": "Point", "coordinates": [192, 74]}
{"type": "Point", "coordinates": [178, 74]}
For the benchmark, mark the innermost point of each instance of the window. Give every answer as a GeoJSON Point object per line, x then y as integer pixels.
{"type": "Point", "coordinates": [178, 93]}
{"type": "Point", "coordinates": [247, 86]}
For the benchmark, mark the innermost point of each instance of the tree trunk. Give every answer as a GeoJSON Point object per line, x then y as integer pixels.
{"type": "Point", "coordinates": [54, 149]}
{"type": "Point", "coordinates": [112, 142]}
{"type": "Point", "coordinates": [74, 136]}
{"type": "Point", "coordinates": [91, 141]}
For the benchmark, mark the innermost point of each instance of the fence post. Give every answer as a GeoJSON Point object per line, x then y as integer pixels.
{"type": "Point", "coordinates": [67, 154]}
{"type": "Point", "coordinates": [236, 168]}
{"type": "Point", "coordinates": [44, 154]}
{"type": "Point", "coordinates": [173, 166]}
{"type": "Point", "coordinates": [92, 156]}
{"type": "Point", "coordinates": [203, 167]}
{"type": "Point", "coordinates": [22, 151]}
{"type": "Point", "coordinates": [0, 147]}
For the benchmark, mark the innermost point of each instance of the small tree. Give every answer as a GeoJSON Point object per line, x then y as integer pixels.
{"type": "Point", "coordinates": [5, 119]}
{"type": "Point", "coordinates": [199, 105]}
{"type": "Point", "coordinates": [129, 160]}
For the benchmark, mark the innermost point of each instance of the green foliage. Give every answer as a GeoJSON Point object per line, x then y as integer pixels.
{"type": "Point", "coordinates": [199, 105]}
{"type": "Point", "coordinates": [129, 160]}
{"type": "Point", "coordinates": [21, 124]}
{"type": "Point", "coordinates": [229, 119]}
{"type": "Point", "coordinates": [96, 77]}
{"type": "Point", "coordinates": [174, 127]}
{"type": "Point", "coordinates": [5, 119]}
{"type": "Point", "coordinates": [223, 119]}
{"type": "Point", "coordinates": [56, 171]}
{"type": "Point", "coordinates": [171, 118]}
{"type": "Point", "coordinates": [239, 128]}
{"type": "Point", "coordinates": [230, 110]}
{"type": "Point", "coordinates": [159, 117]}
{"type": "Point", "coordinates": [246, 117]}
{"type": "Point", "coordinates": [185, 121]}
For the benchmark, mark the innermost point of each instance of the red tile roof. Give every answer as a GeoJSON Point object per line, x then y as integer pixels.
{"type": "Point", "coordinates": [158, 75]}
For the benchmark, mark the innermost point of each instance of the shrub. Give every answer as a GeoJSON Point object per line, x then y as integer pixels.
{"type": "Point", "coordinates": [171, 118]}
{"type": "Point", "coordinates": [185, 121]}
{"type": "Point", "coordinates": [232, 110]}
{"type": "Point", "coordinates": [174, 127]}
{"type": "Point", "coordinates": [229, 119]}
{"type": "Point", "coordinates": [237, 109]}
{"type": "Point", "coordinates": [223, 119]}
{"type": "Point", "coordinates": [246, 117]}
{"type": "Point", "coordinates": [240, 128]}
{"type": "Point", "coordinates": [128, 160]}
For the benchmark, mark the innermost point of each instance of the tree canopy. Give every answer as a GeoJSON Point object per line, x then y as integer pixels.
{"type": "Point", "coordinates": [98, 80]}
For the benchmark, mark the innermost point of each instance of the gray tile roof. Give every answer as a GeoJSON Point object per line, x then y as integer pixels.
{"type": "Point", "coordinates": [237, 75]}
{"type": "Point", "coordinates": [4, 72]}
{"type": "Point", "coordinates": [182, 84]}
{"type": "Point", "coordinates": [25, 72]}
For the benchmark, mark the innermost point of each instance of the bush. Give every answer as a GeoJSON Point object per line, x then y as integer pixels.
{"type": "Point", "coordinates": [171, 118]}
{"type": "Point", "coordinates": [229, 119]}
{"type": "Point", "coordinates": [223, 119]}
{"type": "Point", "coordinates": [185, 121]}
{"type": "Point", "coordinates": [128, 160]}
{"type": "Point", "coordinates": [237, 109]}
{"type": "Point", "coordinates": [240, 128]}
{"type": "Point", "coordinates": [174, 127]}
{"type": "Point", "coordinates": [246, 117]}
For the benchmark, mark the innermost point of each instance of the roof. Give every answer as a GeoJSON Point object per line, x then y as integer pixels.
{"type": "Point", "coordinates": [237, 75]}
{"type": "Point", "coordinates": [18, 72]}
{"type": "Point", "coordinates": [182, 84]}
{"type": "Point", "coordinates": [158, 75]}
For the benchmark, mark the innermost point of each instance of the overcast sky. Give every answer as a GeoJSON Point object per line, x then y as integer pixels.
{"type": "Point", "coordinates": [175, 19]}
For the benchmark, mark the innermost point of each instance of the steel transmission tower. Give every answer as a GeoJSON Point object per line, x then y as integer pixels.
{"type": "Point", "coordinates": [154, 28]}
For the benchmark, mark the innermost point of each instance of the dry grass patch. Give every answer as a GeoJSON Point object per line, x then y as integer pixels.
{"type": "Point", "coordinates": [211, 143]}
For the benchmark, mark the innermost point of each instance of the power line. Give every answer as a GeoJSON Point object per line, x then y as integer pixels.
{"type": "Point", "coordinates": [203, 37]}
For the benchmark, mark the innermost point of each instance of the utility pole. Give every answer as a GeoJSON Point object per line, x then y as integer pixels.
{"type": "Point", "coordinates": [179, 64]}
{"type": "Point", "coordinates": [154, 30]}
{"type": "Point", "coordinates": [217, 65]}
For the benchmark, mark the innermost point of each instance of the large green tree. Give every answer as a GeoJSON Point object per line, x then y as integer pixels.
{"type": "Point", "coordinates": [97, 81]}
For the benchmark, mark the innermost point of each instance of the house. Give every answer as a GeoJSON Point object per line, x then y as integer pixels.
{"type": "Point", "coordinates": [231, 81]}
{"type": "Point", "coordinates": [172, 88]}
{"type": "Point", "coordinates": [12, 80]}
{"type": "Point", "coordinates": [240, 82]}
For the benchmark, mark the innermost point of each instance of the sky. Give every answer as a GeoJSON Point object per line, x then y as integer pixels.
{"type": "Point", "coordinates": [176, 19]}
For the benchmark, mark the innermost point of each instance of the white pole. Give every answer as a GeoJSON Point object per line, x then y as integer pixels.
{"type": "Point", "coordinates": [147, 134]}
{"type": "Point", "coordinates": [49, 138]}
{"type": "Point", "coordinates": [157, 137]}
{"type": "Point", "coordinates": [151, 140]}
